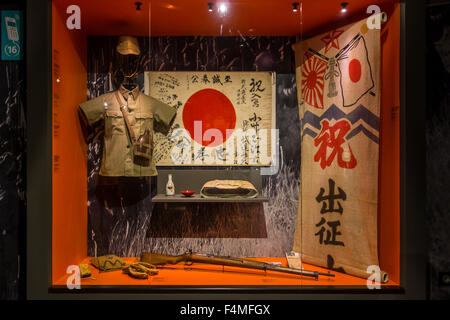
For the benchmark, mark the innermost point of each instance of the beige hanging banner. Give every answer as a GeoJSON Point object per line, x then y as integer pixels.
{"type": "Point", "coordinates": [338, 80]}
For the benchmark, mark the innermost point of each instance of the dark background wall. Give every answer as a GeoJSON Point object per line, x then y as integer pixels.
{"type": "Point", "coordinates": [438, 146]}
{"type": "Point", "coordinates": [12, 174]}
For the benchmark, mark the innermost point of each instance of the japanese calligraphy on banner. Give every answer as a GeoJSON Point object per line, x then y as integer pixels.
{"type": "Point", "coordinates": [338, 79]}
{"type": "Point", "coordinates": [223, 118]}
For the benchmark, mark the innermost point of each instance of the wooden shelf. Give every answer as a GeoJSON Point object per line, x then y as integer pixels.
{"type": "Point", "coordinates": [199, 199]}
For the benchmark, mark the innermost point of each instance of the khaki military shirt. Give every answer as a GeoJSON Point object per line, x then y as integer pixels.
{"type": "Point", "coordinates": [143, 112]}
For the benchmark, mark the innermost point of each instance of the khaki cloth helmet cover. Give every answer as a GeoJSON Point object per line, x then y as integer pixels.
{"type": "Point", "coordinates": [228, 189]}
{"type": "Point", "coordinates": [108, 263]}
{"type": "Point", "coordinates": [128, 45]}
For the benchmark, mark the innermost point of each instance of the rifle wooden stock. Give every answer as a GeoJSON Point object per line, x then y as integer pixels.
{"type": "Point", "coordinates": [161, 259]}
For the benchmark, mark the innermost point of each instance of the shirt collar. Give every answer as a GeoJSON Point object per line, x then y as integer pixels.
{"type": "Point", "coordinates": [126, 93]}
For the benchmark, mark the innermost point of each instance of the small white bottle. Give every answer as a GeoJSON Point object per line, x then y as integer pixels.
{"type": "Point", "coordinates": [170, 187]}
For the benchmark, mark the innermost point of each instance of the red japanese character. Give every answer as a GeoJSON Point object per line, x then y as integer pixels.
{"type": "Point", "coordinates": [333, 137]}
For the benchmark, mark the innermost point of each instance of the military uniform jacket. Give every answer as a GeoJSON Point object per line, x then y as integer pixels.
{"type": "Point", "coordinates": [143, 112]}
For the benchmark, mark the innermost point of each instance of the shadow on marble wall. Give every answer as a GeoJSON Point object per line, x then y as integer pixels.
{"type": "Point", "coordinates": [208, 220]}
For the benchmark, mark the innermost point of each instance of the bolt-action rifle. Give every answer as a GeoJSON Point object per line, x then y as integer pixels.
{"type": "Point", "coordinates": [189, 258]}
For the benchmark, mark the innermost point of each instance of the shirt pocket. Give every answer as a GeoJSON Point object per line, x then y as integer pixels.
{"type": "Point", "coordinates": [143, 121]}
{"type": "Point", "coordinates": [114, 123]}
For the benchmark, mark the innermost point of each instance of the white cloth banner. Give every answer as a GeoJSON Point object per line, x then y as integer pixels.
{"type": "Point", "coordinates": [338, 78]}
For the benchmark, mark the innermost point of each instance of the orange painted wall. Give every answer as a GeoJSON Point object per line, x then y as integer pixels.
{"type": "Point", "coordinates": [69, 227]}
{"type": "Point", "coordinates": [389, 169]}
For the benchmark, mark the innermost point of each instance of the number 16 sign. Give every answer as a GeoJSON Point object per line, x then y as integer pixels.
{"type": "Point", "coordinates": [11, 35]}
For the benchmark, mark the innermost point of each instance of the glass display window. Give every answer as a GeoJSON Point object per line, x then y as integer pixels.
{"type": "Point", "coordinates": [225, 144]}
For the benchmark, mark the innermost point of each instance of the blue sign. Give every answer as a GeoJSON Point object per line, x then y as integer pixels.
{"type": "Point", "coordinates": [11, 27]}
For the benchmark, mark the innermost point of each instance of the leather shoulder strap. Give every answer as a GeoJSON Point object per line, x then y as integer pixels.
{"type": "Point", "coordinates": [125, 117]}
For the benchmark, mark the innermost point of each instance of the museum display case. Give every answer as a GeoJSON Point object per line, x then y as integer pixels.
{"type": "Point", "coordinates": [227, 145]}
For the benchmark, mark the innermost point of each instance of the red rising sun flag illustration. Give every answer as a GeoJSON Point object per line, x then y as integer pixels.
{"type": "Point", "coordinates": [214, 110]}
{"type": "Point", "coordinates": [313, 71]}
{"type": "Point", "coordinates": [331, 39]}
{"type": "Point", "coordinates": [356, 72]}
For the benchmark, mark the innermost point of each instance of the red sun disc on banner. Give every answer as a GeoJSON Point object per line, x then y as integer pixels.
{"type": "Point", "coordinates": [354, 70]}
{"type": "Point", "coordinates": [214, 110]}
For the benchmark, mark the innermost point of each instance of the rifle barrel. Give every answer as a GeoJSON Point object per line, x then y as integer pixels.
{"type": "Point", "coordinates": [161, 259]}
{"type": "Point", "coordinates": [250, 264]}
